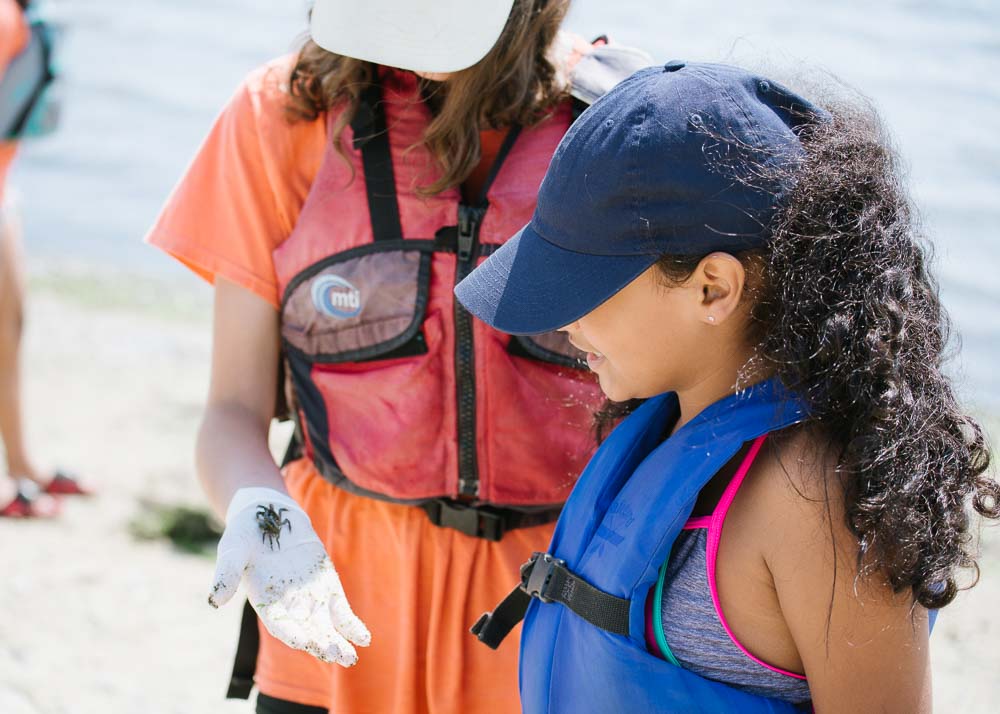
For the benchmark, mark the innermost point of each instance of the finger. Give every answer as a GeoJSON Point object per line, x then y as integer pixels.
{"type": "Point", "coordinates": [228, 572]}
{"type": "Point", "coordinates": [332, 645]}
{"type": "Point", "coordinates": [346, 622]}
{"type": "Point", "coordinates": [328, 647]}
{"type": "Point", "coordinates": [337, 649]}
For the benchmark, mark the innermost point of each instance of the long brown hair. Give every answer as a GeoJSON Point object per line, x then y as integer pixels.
{"type": "Point", "coordinates": [515, 83]}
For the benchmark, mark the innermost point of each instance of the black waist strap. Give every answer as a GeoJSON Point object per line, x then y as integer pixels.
{"type": "Point", "coordinates": [547, 579]}
{"type": "Point", "coordinates": [245, 664]}
{"type": "Point", "coordinates": [489, 522]}
{"type": "Point", "coordinates": [478, 521]}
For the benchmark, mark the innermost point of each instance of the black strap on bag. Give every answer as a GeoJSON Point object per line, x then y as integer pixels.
{"type": "Point", "coordinates": [546, 577]}
{"type": "Point", "coordinates": [245, 662]}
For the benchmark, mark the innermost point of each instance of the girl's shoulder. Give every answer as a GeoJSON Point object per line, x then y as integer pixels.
{"type": "Point", "coordinates": [794, 488]}
{"type": "Point", "coordinates": [798, 459]}
{"type": "Point", "coordinates": [862, 644]}
{"type": "Point", "coordinates": [794, 504]}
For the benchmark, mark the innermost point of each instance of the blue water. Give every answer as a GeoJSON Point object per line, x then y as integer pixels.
{"type": "Point", "coordinates": [146, 77]}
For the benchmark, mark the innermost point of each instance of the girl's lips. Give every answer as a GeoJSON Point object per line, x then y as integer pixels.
{"type": "Point", "coordinates": [594, 360]}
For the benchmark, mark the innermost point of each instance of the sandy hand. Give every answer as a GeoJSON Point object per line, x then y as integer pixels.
{"type": "Point", "coordinates": [270, 545]}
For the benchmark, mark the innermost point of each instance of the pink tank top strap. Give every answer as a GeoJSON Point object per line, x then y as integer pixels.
{"type": "Point", "coordinates": [722, 508]}
{"type": "Point", "coordinates": [715, 535]}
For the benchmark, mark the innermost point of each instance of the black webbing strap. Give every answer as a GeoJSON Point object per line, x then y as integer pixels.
{"type": "Point", "coordinates": [371, 136]}
{"type": "Point", "coordinates": [493, 627]}
{"type": "Point", "coordinates": [273, 705]}
{"type": "Point", "coordinates": [245, 662]}
{"type": "Point", "coordinates": [548, 579]}
{"type": "Point", "coordinates": [487, 522]}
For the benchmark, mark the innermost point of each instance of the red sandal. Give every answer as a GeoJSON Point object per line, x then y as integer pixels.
{"type": "Point", "coordinates": [65, 485]}
{"type": "Point", "coordinates": [28, 502]}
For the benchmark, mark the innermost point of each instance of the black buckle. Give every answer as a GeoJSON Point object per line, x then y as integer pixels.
{"type": "Point", "coordinates": [536, 574]}
{"type": "Point", "coordinates": [469, 218]}
{"type": "Point", "coordinates": [478, 522]}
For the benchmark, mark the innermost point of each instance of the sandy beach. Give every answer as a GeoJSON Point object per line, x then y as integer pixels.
{"type": "Point", "coordinates": [97, 621]}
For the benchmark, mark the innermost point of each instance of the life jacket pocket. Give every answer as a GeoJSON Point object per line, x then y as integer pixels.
{"type": "Point", "coordinates": [363, 304]}
{"type": "Point", "coordinates": [365, 353]}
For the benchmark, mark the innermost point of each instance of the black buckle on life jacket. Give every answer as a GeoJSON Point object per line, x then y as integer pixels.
{"type": "Point", "coordinates": [536, 581]}
{"type": "Point", "coordinates": [469, 219]}
{"type": "Point", "coordinates": [536, 575]}
{"type": "Point", "coordinates": [547, 578]}
{"type": "Point", "coordinates": [475, 521]}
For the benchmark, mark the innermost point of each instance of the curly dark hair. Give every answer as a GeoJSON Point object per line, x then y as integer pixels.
{"type": "Point", "coordinates": [845, 312]}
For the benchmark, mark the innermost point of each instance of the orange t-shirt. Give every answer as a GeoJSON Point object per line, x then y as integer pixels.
{"type": "Point", "coordinates": [14, 36]}
{"type": "Point", "coordinates": [242, 194]}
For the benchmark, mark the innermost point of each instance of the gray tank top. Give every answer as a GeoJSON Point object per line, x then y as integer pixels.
{"type": "Point", "coordinates": [694, 626]}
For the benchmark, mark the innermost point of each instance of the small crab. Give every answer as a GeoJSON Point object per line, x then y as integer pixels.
{"type": "Point", "coordinates": [270, 523]}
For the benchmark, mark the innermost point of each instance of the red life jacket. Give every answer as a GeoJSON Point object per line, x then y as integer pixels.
{"type": "Point", "coordinates": [400, 394]}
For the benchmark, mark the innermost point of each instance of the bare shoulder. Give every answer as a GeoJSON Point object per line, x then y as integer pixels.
{"type": "Point", "coordinates": [852, 631]}
{"type": "Point", "coordinates": [798, 492]}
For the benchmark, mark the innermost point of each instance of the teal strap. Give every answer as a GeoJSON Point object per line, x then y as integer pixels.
{"type": "Point", "coordinates": [661, 639]}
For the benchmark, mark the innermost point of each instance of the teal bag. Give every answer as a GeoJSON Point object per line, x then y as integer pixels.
{"type": "Point", "coordinates": [29, 92]}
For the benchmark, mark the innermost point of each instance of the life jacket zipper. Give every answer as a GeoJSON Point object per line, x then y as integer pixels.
{"type": "Point", "coordinates": [467, 250]}
{"type": "Point", "coordinates": [469, 220]}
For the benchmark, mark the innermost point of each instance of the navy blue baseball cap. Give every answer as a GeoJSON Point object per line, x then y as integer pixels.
{"type": "Point", "coordinates": [683, 159]}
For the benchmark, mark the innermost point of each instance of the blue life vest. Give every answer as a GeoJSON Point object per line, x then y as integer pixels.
{"type": "Point", "coordinates": [615, 531]}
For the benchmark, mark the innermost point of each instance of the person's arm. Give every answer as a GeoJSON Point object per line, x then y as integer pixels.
{"type": "Point", "coordinates": [232, 450]}
{"type": "Point", "coordinates": [269, 544]}
{"type": "Point", "coordinates": [864, 648]}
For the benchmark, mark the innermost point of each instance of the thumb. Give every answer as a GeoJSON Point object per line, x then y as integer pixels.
{"type": "Point", "coordinates": [228, 573]}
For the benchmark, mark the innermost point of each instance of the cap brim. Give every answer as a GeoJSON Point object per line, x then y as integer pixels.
{"type": "Point", "coordinates": [439, 36]}
{"type": "Point", "coordinates": [530, 286]}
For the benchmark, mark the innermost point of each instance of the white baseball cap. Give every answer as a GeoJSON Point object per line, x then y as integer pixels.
{"type": "Point", "coordinates": [421, 35]}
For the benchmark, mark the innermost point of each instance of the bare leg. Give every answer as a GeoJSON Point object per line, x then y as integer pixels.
{"type": "Point", "coordinates": [19, 465]}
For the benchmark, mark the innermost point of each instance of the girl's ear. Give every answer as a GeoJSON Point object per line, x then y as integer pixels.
{"type": "Point", "coordinates": [721, 279]}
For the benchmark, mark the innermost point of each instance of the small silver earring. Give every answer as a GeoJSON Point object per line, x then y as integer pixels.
{"type": "Point", "coordinates": [711, 318]}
